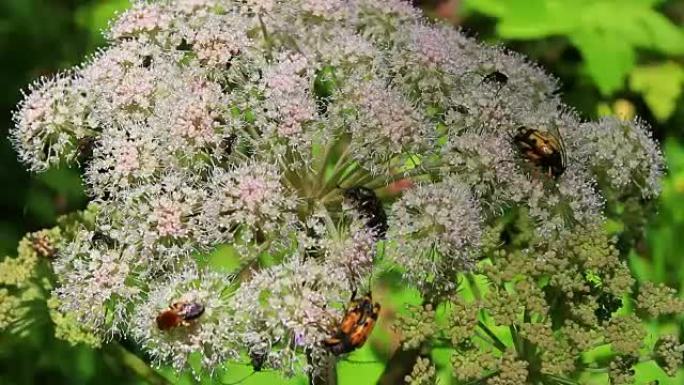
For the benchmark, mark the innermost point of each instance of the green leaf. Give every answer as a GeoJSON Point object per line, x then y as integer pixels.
{"type": "Point", "coordinates": [95, 17]}
{"type": "Point", "coordinates": [635, 21]}
{"type": "Point", "coordinates": [664, 35]}
{"type": "Point", "coordinates": [361, 364]}
{"type": "Point", "coordinates": [531, 19]}
{"type": "Point", "coordinates": [224, 258]}
{"type": "Point", "coordinates": [525, 18]}
{"type": "Point", "coordinates": [608, 58]}
{"type": "Point", "coordinates": [488, 7]}
{"type": "Point", "coordinates": [661, 86]}
{"type": "Point", "coordinates": [442, 360]}
{"type": "Point", "coordinates": [605, 31]}
{"type": "Point", "coordinates": [243, 374]}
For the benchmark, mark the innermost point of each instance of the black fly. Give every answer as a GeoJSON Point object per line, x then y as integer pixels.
{"type": "Point", "coordinates": [370, 206]}
{"type": "Point", "coordinates": [496, 77]}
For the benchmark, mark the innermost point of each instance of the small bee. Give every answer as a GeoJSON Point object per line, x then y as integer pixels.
{"type": "Point", "coordinates": [461, 109]}
{"type": "Point", "coordinates": [184, 46]}
{"type": "Point", "coordinates": [179, 314]}
{"type": "Point", "coordinates": [356, 325]}
{"type": "Point", "coordinates": [371, 207]}
{"type": "Point", "coordinates": [544, 149]}
{"type": "Point", "coordinates": [607, 303]}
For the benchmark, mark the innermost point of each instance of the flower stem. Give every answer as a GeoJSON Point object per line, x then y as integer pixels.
{"type": "Point", "coordinates": [561, 380]}
{"type": "Point", "coordinates": [325, 375]}
{"type": "Point", "coordinates": [495, 339]}
{"type": "Point", "coordinates": [400, 364]}
{"type": "Point", "coordinates": [267, 38]}
{"type": "Point", "coordinates": [135, 364]}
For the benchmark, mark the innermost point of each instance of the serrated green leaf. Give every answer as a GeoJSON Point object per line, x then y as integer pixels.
{"type": "Point", "coordinates": [605, 31]}
{"type": "Point", "coordinates": [530, 19]}
{"type": "Point", "coordinates": [663, 34]}
{"type": "Point", "coordinates": [488, 7]}
{"type": "Point", "coordinates": [608, 58]}
{"type": "Point", "coordinates": [525, 18]}
{"type": "Point", "coordinates": [635, 20]}
{"type": "Point", "coordinates": [661, 86]}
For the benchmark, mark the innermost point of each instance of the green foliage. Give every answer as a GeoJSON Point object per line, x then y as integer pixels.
{"type": "Point", "coordinates": [41, 36]}
{"type": "Point", "coordinates": [608, 33]}
{"type": "Point", "coordinates": [94, 17]}
{"type": "Point", "coordinates": [661, 85]}
{"type": "Point", "coordinates": [663, 260]}
{"type": "Point", "coordinates": [38, 38]}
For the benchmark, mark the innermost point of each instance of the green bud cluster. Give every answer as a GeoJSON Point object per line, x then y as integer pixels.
{"type": "Point", "coordinates": [423, 373]}
{"type": "Point", "coordinates": [668, 354]}
{"type": "Point", "coordinates": [28, 278]}
{"type": "Point", "coordinates": [554, 302]}
{"type": "Point", "coordinates": [416, 326]}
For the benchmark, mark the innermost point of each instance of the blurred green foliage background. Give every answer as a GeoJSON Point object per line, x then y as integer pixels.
{"type": "Point", "coordinates": [621, 57]}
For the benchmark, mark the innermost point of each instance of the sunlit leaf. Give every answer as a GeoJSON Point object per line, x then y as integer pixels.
{"type": "Point", "coordinates": [661, 85]}
{"type": "Point", "coordinates": [361, 364]}
{"type": "Point", "coordinates": [664, 35]}
{"type": "Point", "coordinates": [488, 7]}
{"type": "Point", "coordinates": [607, 32]}
{"type": "Point", "coordinates": [608, 58]}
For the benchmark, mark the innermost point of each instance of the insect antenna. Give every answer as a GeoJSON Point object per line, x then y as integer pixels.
{"type": "Point", "coordinates": [243, 379]}
{"type": "Point", "coordinates": [351, 361]}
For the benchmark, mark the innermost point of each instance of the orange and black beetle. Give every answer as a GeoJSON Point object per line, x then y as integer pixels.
{"type": "Point", "coordinates": [543, 149]}
{"type": "Point", "coordinates": [356, 325]}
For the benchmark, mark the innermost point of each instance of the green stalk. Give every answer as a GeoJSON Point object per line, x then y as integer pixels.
{"type": "Point", "coordinates": [473, 286]}
{"type": "Point", "coordinates": [267, 38]}
{"type": "Point", "coordinates": [135, 364]}
{"type": "Point", "coordinates": [495, 339]}
{"type": "Point", "coordinates": [515, 336]}
{"type": "Point", "coordinates": [327, 374]}
{"type": "Point", "coordinates": [338, 170]}
{"type": "Point", "coordinates": [561, 380]}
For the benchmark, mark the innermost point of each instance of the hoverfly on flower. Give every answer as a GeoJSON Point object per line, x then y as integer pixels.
{"type": "Point", "coordinates": [545, 150]}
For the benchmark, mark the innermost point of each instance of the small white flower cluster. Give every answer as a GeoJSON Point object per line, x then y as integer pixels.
{"type": "Point", "coordinates": [101, 281]}
{"type": "Point", "coordinates": [213, 337]}
{"type": "Point", "coordinates": [436, 231]}
{"type": "Point", "coordinates": [294, 306]}
{"type": "Point", "coordinates": [247, 122]}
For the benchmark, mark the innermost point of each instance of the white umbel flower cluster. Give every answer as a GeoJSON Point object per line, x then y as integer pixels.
{"type": "Point", "coordinates": [313, 137]}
